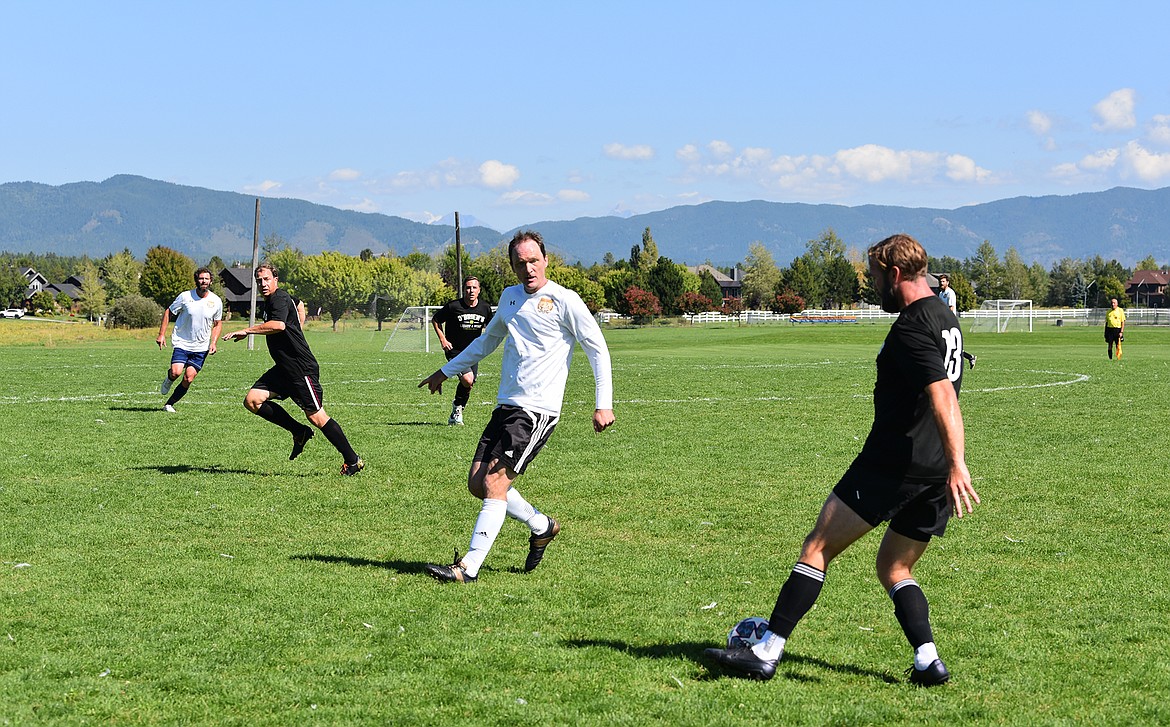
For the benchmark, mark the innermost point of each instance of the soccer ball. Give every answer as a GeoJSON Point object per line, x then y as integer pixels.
{"type": "Point", "coordinates": [747, 633]}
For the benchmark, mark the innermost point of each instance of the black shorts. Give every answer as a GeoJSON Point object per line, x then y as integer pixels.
{"type": "Point", "coordinates": [1112, 335]}
{"type": "Point", "coordinates": [916, 510]}
{"type": "Point", "coordinates": [474, 367]}
{"type": "Point", "coordinates": [514, 436]}
{"type": "Point", "coordinates": [305, 391]}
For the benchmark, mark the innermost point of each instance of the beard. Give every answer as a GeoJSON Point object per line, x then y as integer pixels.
{"type": "Point", "coordinates": [889, 302]}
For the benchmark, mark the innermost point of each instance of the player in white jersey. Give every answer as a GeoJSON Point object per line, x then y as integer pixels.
{"type": "Point", "coordinates": [538, 322]}
{"type": "Point", "coordinates": [198, 318]}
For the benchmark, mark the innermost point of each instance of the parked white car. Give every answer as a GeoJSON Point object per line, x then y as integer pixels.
{"type": "Point", "coordinates": [12, 313]}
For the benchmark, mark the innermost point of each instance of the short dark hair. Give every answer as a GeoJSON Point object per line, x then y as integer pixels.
{"type": "Point", "coordinates": [944, 276]}
{"type": "Point", "coordinates": [469, 278]}
{"type": "Point", "coordinates": [200, 271]}
{"type": "Point", "coordinates": [523, 235]}
{"type": "Point", "coordinates": [902, 252]}
{"type": "Point", "coordinates": [269, 267]}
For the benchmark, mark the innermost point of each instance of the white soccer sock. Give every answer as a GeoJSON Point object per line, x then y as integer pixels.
{"type": "Point", "coordinates": [487, 527]}
{"type": "Point", "coordinates": [520, 509]}
{"type": "Point", "coordinates": [925, 655]}
{"type": "Point", "coordinates": [771, 648]}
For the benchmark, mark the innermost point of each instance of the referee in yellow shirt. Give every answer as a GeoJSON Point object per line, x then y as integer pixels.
{"type": "Point", "coordinates": [1114, 327]}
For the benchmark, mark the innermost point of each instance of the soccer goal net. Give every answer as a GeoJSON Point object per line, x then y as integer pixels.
{"type": "Point", "coordinates": [1001, 316]}
{"type": "Point", "coordinates": [412, 332]}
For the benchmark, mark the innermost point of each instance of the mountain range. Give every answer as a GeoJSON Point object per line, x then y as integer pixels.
{"type": "Point", "coordinates": [126, 211]}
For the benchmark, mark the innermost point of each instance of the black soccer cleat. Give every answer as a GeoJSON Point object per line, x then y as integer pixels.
{"type": "Point", "coordinates": [352, 469]}
{"type": "Point", "coordinates": [743, 662]}
{"type": "Point", "coordinates": [972, 360]}
{"type": "Point", "coordinates": [931, 676]}
{"type": "Point", "coordinates": [537, 544]}
{"type": "Point", "coordinates": [454, 573]}
{"type": "Point", "coordinates": [300, 442]}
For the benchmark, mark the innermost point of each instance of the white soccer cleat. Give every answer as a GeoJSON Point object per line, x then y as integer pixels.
{"type": "Point", "coordinates": [456, 418]}
{"type": "Point", "coordinates": [168, 409]}
{"type": "Point", "coordinates": [165, 386]}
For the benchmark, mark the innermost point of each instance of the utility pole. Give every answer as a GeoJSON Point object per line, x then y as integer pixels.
{"type": "Point", "coordinates": [255, 262]}
{"type": "Point", "coordinates": [458, 259]}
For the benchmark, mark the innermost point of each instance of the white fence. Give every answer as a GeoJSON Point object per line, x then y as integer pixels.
{"type": "Point", "coordinates": [1050, 316]}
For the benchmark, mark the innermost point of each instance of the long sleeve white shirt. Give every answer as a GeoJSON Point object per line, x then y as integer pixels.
{"type": "Point", "coordinates": [538, 331]}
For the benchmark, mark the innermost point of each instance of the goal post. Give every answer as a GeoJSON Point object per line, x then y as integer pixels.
{"type": "Point", "coordinates": [412, 333]}
{"type": "Point", "coordinates": [1001, 315]}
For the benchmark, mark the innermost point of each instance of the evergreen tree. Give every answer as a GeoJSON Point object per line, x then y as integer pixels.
{"type": "Point", "coordinates": [709, 288]}
{"type": "Point", "coordinates": [665, 280]}
{"type": "Point", "coordinates": [165, 274]}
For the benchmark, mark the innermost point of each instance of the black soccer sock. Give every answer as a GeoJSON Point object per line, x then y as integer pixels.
{"type": "Point", "coordinates": [336, 437]}
{"type": "Point", "coordinates": [912, 612]}
{"type": "Point", "coordinates": [797, 596]}
{"type": "Point", "coordinates": [178, 393]}
{"type": "Point", "coordinates": [462, 394]}
{"type": "Point", "coordinates": [275, 413]}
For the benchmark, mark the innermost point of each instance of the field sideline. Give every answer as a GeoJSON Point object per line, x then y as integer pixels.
{"type": "Point", "coordinates": [162, 569]}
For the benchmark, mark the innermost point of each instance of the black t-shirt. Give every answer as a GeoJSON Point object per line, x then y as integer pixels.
{"type": "Point", "coordinates": [923, 346]}
{"type": "Point", "coordinates": [461, 323]}
{"type": "Point", "coordinates": [288, 349]}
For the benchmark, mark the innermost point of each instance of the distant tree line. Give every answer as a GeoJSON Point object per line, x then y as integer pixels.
{"type": "Point", "coordinates": [829, 274]}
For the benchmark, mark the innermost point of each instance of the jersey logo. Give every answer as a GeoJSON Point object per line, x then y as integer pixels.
{"type": "Point", "coordinates": [545, 305]}
{"type": "Point", "coordinates": [953, 358]}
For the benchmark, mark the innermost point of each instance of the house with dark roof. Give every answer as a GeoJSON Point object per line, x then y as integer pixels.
{"type": "Point", "coordinates": [729, 286]}
{"type": "Point", "coordinates": [1147, 288]}
{"type": "Point", "coordinates": [71, 287]}
{"type": "Point", "coordinates": [237, 289]}
{"type": "Point", "coordinates": [36, 282]}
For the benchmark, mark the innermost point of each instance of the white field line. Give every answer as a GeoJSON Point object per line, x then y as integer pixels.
{"type": "Point", "coordinates": [152, 396]}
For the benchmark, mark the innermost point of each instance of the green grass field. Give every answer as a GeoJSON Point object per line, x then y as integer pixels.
{"type": "Point", "coordinates": [170, 569]}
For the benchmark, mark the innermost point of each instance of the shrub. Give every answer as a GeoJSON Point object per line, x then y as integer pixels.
{"type": "Point", "coordinates": [43, 302]}
{"type": "Point", "coordinates": [788, 302]}
{"type": "Point", "coordinates": [642, 305]}
{"type": "Point", "coordinates": [691, 303]}
{"type": "Point", "coordinates": [732, 306]}
{"type": "Point", "coordinates": [134, 311]}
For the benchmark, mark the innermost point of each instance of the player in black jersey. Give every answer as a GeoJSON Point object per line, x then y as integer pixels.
{"type": "Point", "coordinates": [463, 320]}
{"type": "Point", "coordinates": [911, 471]}
{"type": "Point", "coordinates": [295, 376]}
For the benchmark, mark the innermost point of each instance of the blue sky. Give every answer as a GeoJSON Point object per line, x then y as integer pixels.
{"type": "Point", "coordinates": [517, 112]}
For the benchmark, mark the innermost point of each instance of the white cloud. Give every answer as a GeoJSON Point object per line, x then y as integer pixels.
{"type": "Point", "coordinates": [1066, 171]}
{"type": "Point", "coordinates": [1159, 130]}
{"type": "Point", "coordinates": [266, 187]}
{"type": "Point", "coordinates": [1146, 165]}
{"type": "Point", "coordinates": [1039, 123]}
{"type": "Point", "coordinates": [874, 163]}
{"type": "Point", "coordinates": [827, 176]}
{"type": "Point", "coordinates": [720, 149]}
{"type": "Point", "coordinates": [689, 154]}
{"type": "Point", "coordinates": [639, 152]}
{"type": "Point", "coordinates": [525, 198]}
{"type": "Point", "coordinates": [1100, 161]}
{"type": "Point", "coordinates": [963, 169]}
{"type": "Point", "coordinates": [573, 195]}
{"type": "Point", "coordinates": [344, 175]}
{"type": "Point", "coordinates": [495, 174]}
{"type": "Point", "coordinates": [366, 205]}
{"type": "Point", "coordinates": [1115, 111]}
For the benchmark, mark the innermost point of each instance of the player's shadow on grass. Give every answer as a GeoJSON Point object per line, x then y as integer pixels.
{"type": "Point", "coordinates": [180, 469]}
{"type": "Point", "coordinates": [399, 566]}
{"type": "Point", "coordinates": [136, 408]}
{"type": "Point", "coordinates": [694, 652]}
